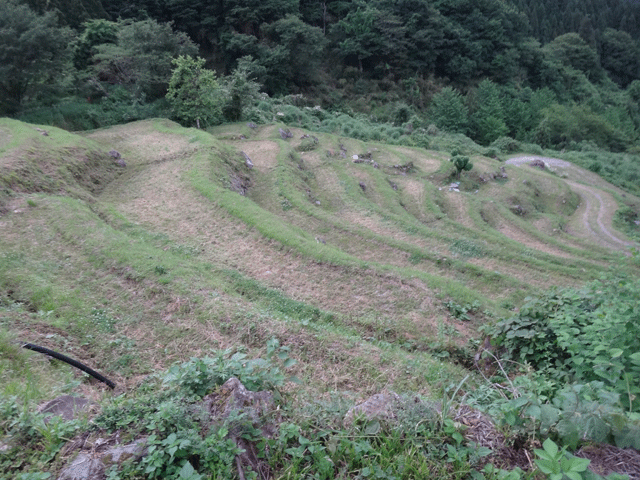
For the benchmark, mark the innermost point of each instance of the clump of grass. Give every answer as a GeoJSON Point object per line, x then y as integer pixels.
{"type": "Point", "coordinates": [467, 249]}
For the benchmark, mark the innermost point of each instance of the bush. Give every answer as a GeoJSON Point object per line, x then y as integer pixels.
{"type": "Point", "coordinates": [562, 125]}
{"type": "Point", "coordinates": [506, 145]}
{"type": "Point", "coordinates": [77, 114]}
{"type": "Point", "coordinates": [583, 335]}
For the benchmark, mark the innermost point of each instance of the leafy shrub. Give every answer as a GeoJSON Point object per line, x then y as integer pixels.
{"type": "Point", "coordinates": [562, 125]}
{"type": "Point", "coordinates": [627, 220]}
{"type": "Point", "coordinates": [506, 145]}
{"type": "Point", "coordinates": [581, 335]}
{"type": "Point", "coordinates": [199, 376]}
{"type": "Point", "coordinates": [532, 148]}
{"type": "Point", "coordinates": [420, 138]}
{"type": "Point", "coordinates": [79, 114]}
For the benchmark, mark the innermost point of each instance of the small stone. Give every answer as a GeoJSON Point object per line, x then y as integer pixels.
{"type": "Point", "coordinates": [66, 406]}
{"type": "Point", "coordinates": [379, 405]}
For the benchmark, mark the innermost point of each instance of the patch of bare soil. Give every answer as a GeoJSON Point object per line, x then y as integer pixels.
{"type": "Point", "coordinates": [607, 459]}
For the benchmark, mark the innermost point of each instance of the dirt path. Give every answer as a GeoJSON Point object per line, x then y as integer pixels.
{"type": "Point", "coordinates": [598, 209]}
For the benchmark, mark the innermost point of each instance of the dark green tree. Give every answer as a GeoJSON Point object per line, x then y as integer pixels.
{"type": "Point", "coordinates": [33, 53]}
{"type": "Point", "coordinates": [297, 49]}
{"type": "Point", "coordinates": [358, 34]}
{"type": "Point", "coordinates": [620, 56]}
{"type": "Point", "coordinates": [448, 111]}
{"type": "Point", "coordinates": [570, 49]}
{"type": "Point", "coordinates": [474, 33]}
{"type": "Point", "coordinates": [194, 93]}
{"type": "Point", "coordinates": [488, 118]}
{"type": "Point", "coordinates": [141, 60]}
{"type": "Point", "coordinates": [96, 32]}
{"type": "Point", "coordinates": [72, 13]}
{"type": "Point", "coordinates": [241, 90]}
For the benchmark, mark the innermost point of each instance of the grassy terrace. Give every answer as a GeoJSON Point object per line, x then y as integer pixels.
{"type": "Point", "coordinates": [359, 271]}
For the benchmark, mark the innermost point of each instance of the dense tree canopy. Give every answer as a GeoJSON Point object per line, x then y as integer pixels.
{"type": "Point", "coordinates": [141, 56]}
{"type": "Point", "coordinates": [69, 12]}
{"type": "Point", "coordinates": [620, 56]}
{"type": "Point", "coordinates": [485, 68]}
{"type": "Point", "coordinates": [33, 50]}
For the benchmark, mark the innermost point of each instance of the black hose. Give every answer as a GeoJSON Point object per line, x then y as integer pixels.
{"type": "Point", "coordinates": [70, 361]}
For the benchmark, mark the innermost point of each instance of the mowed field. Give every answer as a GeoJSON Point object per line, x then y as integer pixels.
{"type": "Point", "coordinates": [361, 268]}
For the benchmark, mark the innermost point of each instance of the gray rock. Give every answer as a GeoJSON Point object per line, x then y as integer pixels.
{"type": "Point", "coordinates": [91, 465]}
{"type": "Point", "coordinates": [120, 453]}
{"type": "Point", "coordinates": [84, 467]}
{"type": "Point", "coordinates": [247, 160]}
{"type": "Point", "coordinates": [65, 406]}
{"type": "Point", "coordinates": [380, 405]}
{"type": "Point", "coordinates": [114, 154]}
{"type": "Point", "coordinates": [232, 396]}
{"type": "Point", "coordinates": [284, 134]}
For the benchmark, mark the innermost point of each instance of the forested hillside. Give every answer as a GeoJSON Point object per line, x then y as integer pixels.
{"type": "Point", "coordinates": [563, 75]}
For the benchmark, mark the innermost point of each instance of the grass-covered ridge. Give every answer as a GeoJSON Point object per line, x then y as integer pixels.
{"type": "Point", "coordinates": [373, 275]}
{"type": "Point", "coordinates": [48, 159]}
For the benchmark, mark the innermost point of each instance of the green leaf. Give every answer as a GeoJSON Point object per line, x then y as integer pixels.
{"type": "Point", "coordinates": [628, 437]}
{"type": "Point", "coordinates": [373, 428]}
{"type": "Point", "coordinates": [332, 445]}
{"type": "Point", "coordinates": [579, 464]}
{"type": "Point", "coordinates": [546, 466]}
{"type": "Point", "coordinates": [548, 416]}
{"type": "Point", "coordinates": [573, 475]}
{"type": "Point", "coordinates": [187, 472]}
{"type": "Point", "coordinates": [550, 447]}
{"type": "Point", "coordinates": [533, 411]}
{"type": "Point", "coordinates": [616, 352]}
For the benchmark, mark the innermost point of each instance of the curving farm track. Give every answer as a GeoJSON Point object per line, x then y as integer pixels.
{"type": "Point", "coordinates": [594, 216]}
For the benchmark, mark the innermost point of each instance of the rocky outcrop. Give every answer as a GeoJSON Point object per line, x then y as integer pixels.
{"type": "Point", "coordinates": [97, 454]}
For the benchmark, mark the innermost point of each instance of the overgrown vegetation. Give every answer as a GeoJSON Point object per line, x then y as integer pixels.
{"type": "Point", "coordinates": [581, 346]}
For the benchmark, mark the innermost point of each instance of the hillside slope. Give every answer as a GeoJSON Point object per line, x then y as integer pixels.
{"type": "Point", "coordinates": [364, 270]}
